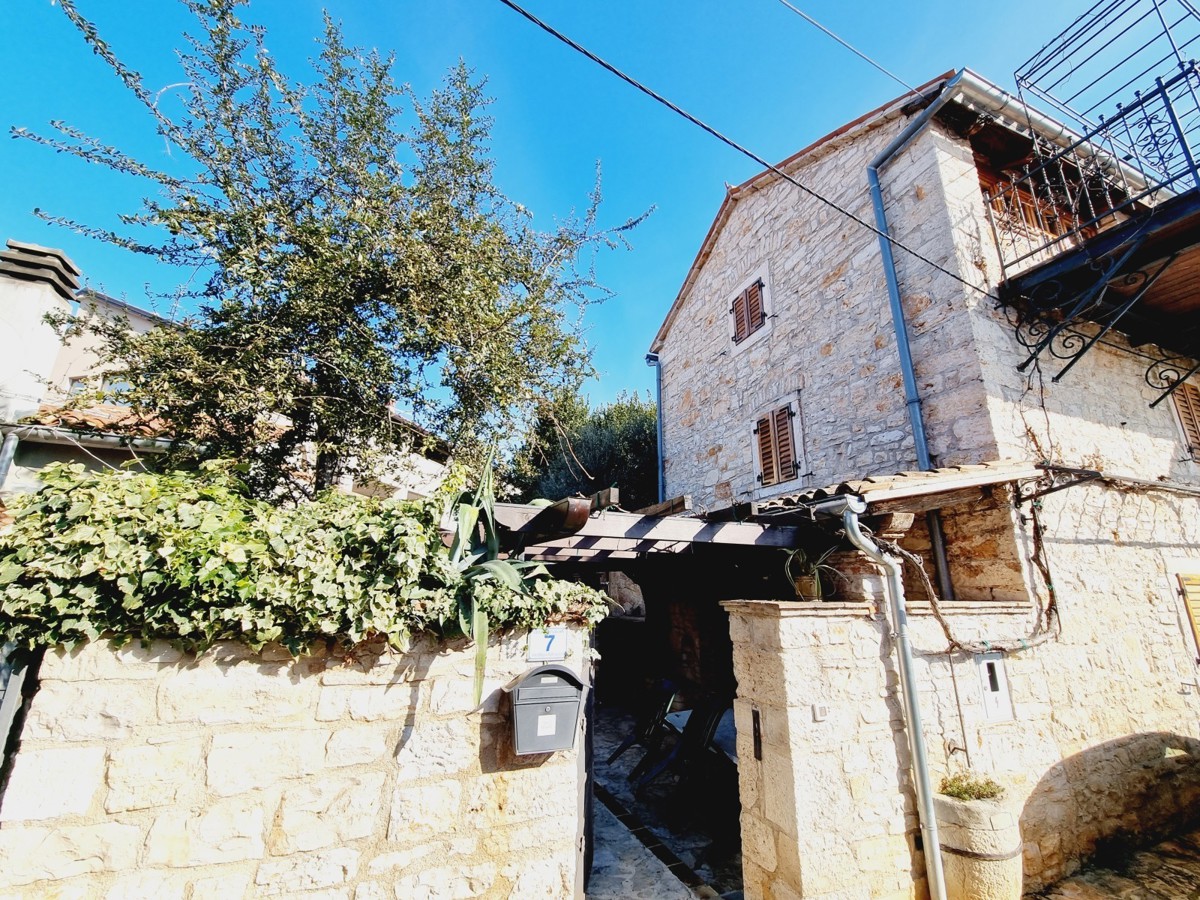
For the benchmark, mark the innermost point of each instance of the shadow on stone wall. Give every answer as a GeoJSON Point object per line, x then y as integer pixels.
{"type": "Point", "coordinates": [1100, 805]}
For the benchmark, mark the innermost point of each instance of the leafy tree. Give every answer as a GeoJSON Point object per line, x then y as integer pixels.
{"type": "Point", "coordinates": [572, 450]}
{"type": "Point", "coordinates": [349, 267]}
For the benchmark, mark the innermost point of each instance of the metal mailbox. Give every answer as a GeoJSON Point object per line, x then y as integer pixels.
{"type": "Point", "coordinates": [545, 709]}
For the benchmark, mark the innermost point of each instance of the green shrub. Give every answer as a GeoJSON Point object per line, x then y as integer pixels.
{"type": "Point", "coordinates": [965, 786]}
{"type": "Point", "coordinates": [192, 558]}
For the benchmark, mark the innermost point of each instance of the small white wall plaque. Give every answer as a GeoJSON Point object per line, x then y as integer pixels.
{"type": "Point", "coordinates": [997, 704]}
{"type": "Point", "coordinates": [547, 644]}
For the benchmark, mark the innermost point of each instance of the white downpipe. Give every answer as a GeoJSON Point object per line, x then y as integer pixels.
{"type": "Point", "coordinates": [8, 450]}
{"type": "Point", "coordinates": [908, 689]}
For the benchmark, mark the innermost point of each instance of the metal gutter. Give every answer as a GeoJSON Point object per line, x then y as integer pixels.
{"type": "Point", "coordinates": [912, 395]}
{"type": "Point", "coordinates": [47, 434]}
{"type": "Point", "coordinates": [908, 689]}
{"type": "Point", "coordinates": [652, 359]}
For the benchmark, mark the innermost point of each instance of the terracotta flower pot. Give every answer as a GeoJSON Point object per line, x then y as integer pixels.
{"type": "Point", "coordinates": [981, 849]}
{"type": "Point", "coordinates": [808, 587]}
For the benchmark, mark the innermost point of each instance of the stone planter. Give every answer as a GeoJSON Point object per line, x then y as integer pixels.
{"type": "Point", "coordinates": [981, 849]}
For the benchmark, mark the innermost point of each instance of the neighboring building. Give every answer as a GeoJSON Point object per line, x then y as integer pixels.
{"type": "Point", "coordinates": [77, 364]}
{"type": "Point", "coordinates": [39, 373]}
{"type": "Point", "coordinates": [36, 281]}
{"type": "Point", "coordinates": [1044, 287]}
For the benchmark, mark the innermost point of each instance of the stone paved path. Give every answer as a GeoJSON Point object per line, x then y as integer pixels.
{"type": "Point", "coordinates": [1168, 871]}
{"type": "Point", "coordinates": [638, 855]}
{"type": "Point", "coordinates": [623, 869]}
{"type": "Point", "coordinates": [688, 840]}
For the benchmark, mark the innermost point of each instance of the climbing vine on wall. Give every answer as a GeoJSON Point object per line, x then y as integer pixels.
{"type": "Point", "coordinates": [192, 558]}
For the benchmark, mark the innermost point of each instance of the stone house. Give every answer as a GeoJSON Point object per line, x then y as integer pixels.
{"type": "Point", "coordinates": [39, 372]}
{"type": "Point", "coordinates": [1000, 309]}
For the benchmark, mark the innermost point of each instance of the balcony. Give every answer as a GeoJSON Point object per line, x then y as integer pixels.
{"type": "Point", "coordinates": [1098, 231]}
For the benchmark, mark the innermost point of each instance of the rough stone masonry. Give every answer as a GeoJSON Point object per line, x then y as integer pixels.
{"type": "Point", "coordinates": [145, 772]}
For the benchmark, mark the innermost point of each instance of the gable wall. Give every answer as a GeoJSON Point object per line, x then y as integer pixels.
{"type": "Point", "coordinates": [829, 345]}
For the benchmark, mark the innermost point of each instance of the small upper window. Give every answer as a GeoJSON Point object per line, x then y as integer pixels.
{"type": "Point", "coordinates": [747, 311]}
{"type": "Point", "coordinates": [776, 447]}
{"type": "Point", "coordinates": [1187, 405]}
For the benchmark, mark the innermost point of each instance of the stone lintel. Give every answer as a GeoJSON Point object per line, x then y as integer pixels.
{"type": "Point", "coordinates": [789, 609]}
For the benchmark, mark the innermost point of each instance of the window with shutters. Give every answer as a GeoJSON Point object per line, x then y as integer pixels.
{"type": "Point", "coordinates": [1189, 589]}
{"type": "Point", "coordinates": [1187, 405]}
{"type": "Point", "coordinates": [749, 310]}
{"type": "Point", "coordinates": [775, 437]}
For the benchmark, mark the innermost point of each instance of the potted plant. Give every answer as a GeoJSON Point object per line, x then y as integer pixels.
{"type": "Point", "coordinates": [804, 569]}
{"type": "Point", "coordinates": [980, 839]}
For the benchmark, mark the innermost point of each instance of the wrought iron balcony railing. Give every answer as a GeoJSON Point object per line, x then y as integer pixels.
{"type": "Point", "coordinates": [1119, 169]}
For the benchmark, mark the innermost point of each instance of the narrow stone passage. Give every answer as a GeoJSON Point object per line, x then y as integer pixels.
{"type": "Point", "coordinates": [637, 853]}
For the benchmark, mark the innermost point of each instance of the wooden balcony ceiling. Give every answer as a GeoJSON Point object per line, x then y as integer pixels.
{"type": "Point", "coordinates": [1167, 314]}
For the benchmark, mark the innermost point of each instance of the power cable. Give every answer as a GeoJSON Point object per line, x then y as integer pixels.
{"type": "Point", "coordinates": [649, 92]}
{"type": "Point", "coordinates": [813, 22]}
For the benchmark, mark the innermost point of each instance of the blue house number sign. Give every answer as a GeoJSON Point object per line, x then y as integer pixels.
{"type": "Point", "coordinates": [547, 644]}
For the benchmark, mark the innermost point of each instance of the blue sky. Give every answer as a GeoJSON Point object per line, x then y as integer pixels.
{"type": "Point", "coordinates": [751, 68]}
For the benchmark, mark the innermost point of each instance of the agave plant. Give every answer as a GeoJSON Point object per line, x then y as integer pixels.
{"type": "Point", "coordinates": [475, 555]}
{"type": "Point", "coordinates": [805, 564]}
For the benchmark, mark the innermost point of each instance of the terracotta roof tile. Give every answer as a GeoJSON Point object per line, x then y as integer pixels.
{"type": "Point", "coordinates": [874, 488]}
{"type": "Point", "coordinates": [103, 417]}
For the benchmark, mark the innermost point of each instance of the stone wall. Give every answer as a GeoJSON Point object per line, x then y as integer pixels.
{"type": "Point", "coordinates": [825, 293]}
{"type": "Point", "coordinates": [1098, 416]}
{"type": "Point", "coordinates": [1097, 741]}
{"type": "Point", "coordinates": [150, 773]}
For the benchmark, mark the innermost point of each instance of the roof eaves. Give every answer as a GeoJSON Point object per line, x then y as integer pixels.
{"type": "Point", "coordinates": [907, 485]}
{"type": "Point", "coordinates": [98, 298]}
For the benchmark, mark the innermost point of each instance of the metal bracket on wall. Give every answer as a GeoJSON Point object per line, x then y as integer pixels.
{"type": "Point", "coordinates": [1056, 478]}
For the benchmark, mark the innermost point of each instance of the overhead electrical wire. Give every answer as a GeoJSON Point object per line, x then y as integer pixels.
{"type": "Point", "coordinates": [750, 154]}
{"type": "Point", "coordinates": [813, 22]}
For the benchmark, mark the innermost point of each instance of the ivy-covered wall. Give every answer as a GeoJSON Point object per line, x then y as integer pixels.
{"type": "Point", "coordinates": [149, 772]}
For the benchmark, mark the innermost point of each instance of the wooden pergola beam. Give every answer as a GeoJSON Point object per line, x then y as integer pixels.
{"type": "Point", "coordinates": [522, 519]}
{"type": "Point", "coordinates": [672, 507]}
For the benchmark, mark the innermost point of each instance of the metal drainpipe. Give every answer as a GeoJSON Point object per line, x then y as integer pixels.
{"type": "Point", "coordinates": [912, 396]}
{"type": "Point", "coordinates": [653, 360]}
{"type": "Point", "coordinates": [8, 450]}
{"type": "Point", "coordinates": [908, 688]}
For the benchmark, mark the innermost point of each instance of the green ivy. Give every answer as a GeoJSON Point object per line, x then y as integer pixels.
{"type": "Point", "coordinates": [192, 558]}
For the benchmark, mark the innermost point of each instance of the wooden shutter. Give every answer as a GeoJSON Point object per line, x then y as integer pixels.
{"type": "Point", "coordinates": [740, 320]}
{"type": "Point", "coordinates": [785, 445]}
{"type": "Point", "coordinates": [1187, 404]}
{"type": "Point", "coordinates": [764, 431]}
{"type": "Point", "coordinates": [754, 307]}
{"type": "Point", "coordinates": [1189, 587]}
{"type": "Point", "coordinates": [776, 447]}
